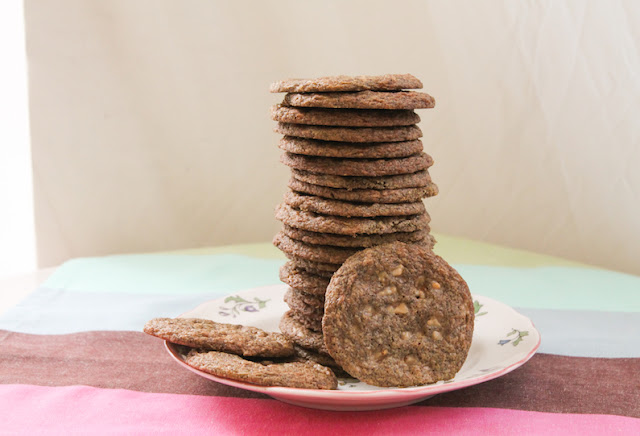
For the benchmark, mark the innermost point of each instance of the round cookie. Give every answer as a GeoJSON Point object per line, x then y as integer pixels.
{"type": "Point", "coordinates": [363, 241]}
{"type": "Point", "coordinates": [344, 117]}
{"type": "Point", "coordinates": [386, 82]}
{"type": "Point", "coordinates": [314, 356]}
{"type": "Point", "coordinates": [350, 134]}
{"type": "Point", "coordinates": [358, 167]}
{"type": "Point", "coordinates": [211, 335]}
{"type": "Point", "coordinates": [418, 179]}
{"type": "Point", "coordinates": [365, 195]}
{"type": "Point", "coordinates": [313, 323]}
{"type": "Point", "coordinates": [325, 206]}
{"type": "Point", "coordinates": [316, 268]}
{"type": "Point", "coordinates": [398, 315]}
{"type": "Point", "coordinates": [303, 303]}
{"type": "Point", "coordinates": [348, 150]}
{"type": "Point", "coordinates": [304, 375]}
{"type": "Point", "coordinates": [349, 226]}
{"type": "Point", "coordinates": [362, 100]}
{"type": "Point", "coordinates": [303, 280]}
{"type": "Point", "coordinates": [315, 253]}
{"type": "Point", "coordinates": [301, 335]}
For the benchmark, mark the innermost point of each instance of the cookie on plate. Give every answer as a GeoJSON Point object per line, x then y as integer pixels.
{"type": "Point", "coordinates": [349, 226]}
{"type": "Point", "coordinates": [344, 117]}
{"type": "Point", "coordinates": [326, 206]}
{"type": "Point", "coordinates": [362, 100]}
{"type": "Point", "coordinates": [364, 196]}
{"type": "Point", "coordinates": [211, 335]}
{"type": "Point", "coordinates": [398, 315]}
{"type": "Point", "coordinates": [291, 374]}
{"type": "Point", "coordinates": [355, 240]}
{"type": "Point", "coordinates": [302, 335]}
{"type": "Point", "coordinates": [348, 150]}
{"type": "Point", "coordinates": [301, 279]}
{"type": "Point", "coordinates": [351, 134]}
{"type": "Point", "coordinates": [357, 167]}
{"type": "Point", "coordinates": [400, 181]}
{"type": "Point", "coordinates": [315, 253]}
{"type": "Point", "coordinates": [386, 82]}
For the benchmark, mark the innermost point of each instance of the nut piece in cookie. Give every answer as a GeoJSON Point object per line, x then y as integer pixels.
{"type": "Point", "coordinates": [211, 335]}
{"type": "Point", "coordinates": [291, 374]}
{"type": "Point", "coordinates": [398, 315]}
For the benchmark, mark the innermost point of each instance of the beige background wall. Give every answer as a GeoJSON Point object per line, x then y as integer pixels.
{"type": "Point", "coordinates": [150, 123]}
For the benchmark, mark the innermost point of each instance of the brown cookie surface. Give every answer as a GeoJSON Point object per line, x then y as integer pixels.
{"type": "Point", "coordinates": [325, 206]}
{"type": "Point", "coordinates": [350, 134]}
{"type": "Point", "coordinates": [301, 279]}
{"type": "Point", "coordinates": [211, 335]}
{"type": "Point", "coordinates": [314, 356]}
{"type": "Point", "coordinates": [304, 303]}
{"type": "Point", "coordinates": [365, 196]}
{"type": "Point", "coordinates": [291, 374]}
{"type": "Point", "coordinates": [302, 335]}
{"type": "Point", "coordinates": [344, 117]}
{"type": "Point", "coordinates": [386, 82]}
{"type": "Point", "coordinates": [418, 179]}
{"type": "Point", "coordinates": [357, 167]}
{"type": "Point", "coordinates": [349, 226]}
{"type": "Point", "coordinates": [363, 241]}
{"type": "Point", "coordinates": [317, 268]}
{"type": "Point", "coordinates": [398, 315]}
{"type": "Point", "coordinates": [362, 100]}
{"type": "Point", "coordinates": [347, 150]}
{"type": "Point", "coordinates": [313, 322]}
{"type": "Point", "coordinates": [315, 253]}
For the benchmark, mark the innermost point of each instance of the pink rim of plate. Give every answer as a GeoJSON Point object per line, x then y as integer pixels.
{"type": "Point", "coordinates": [377, 395]}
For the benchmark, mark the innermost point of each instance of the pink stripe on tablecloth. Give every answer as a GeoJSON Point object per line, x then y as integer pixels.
{"type": "Point", "coordinates": [28, 409]}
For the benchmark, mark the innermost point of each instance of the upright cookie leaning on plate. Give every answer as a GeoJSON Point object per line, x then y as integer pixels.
{"type": "Point", "coordinates": [398, 315]}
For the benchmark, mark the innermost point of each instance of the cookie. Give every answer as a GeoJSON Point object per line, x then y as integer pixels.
{"type": "Point", "coordinates": [313, 323]}
{"type": "Point", "coordinates": [387, 82]}
{"type": "Point", "coordinates": [350, 134]}
{"type": "Point", "coordinates": [314, 356]}
{"type": "Point", "coordinates": [362, 100]}
{"type": "Point", "coordinates": [347, 150]}
{"type": "Point", "coordinates": [398, 315]}
{"type": "Point", "coordinates": [301, 335]}
{"type": "Point", "coordinates": [290, 374]}
{"type": "Point", "coordinates": [325, 206]}
{"type": "Point", "coordinates": [358, 167]}
{"type": "Point", "coordinates": [363, 241]}
{"type": "Point", "coordinates": [418, 179]}
{"type": "Point", "coordinates": [344, 117]}
{"type": "Point", "coordinates": [365, 195]}
{"type": "Point", "coordinates": [211, 335]}
{"type": "Point", "coordinates": [303, 280]}
{"type": "Point", "coordinates": [315, 253]}
{"type": "Point", "coordinates": [316, 268]}
{"type": "Point", "coordinates": [306, 304]}
{"type": "Point", "coordinates": [349, 226]}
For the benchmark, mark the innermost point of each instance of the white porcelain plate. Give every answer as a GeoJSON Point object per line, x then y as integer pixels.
{"type": "Point", "coordinates": [502, 341]}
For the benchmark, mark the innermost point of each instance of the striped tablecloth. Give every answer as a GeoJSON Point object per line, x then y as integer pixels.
{"type": "Point", "coordinates": [73, 358]}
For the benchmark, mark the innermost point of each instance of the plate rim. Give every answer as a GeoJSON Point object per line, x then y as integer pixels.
{"type": "Point", "coordinates": [375, 394]}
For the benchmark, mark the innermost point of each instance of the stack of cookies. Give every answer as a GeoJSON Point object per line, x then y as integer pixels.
{"type": "Point", "coordinates": [358, 177]}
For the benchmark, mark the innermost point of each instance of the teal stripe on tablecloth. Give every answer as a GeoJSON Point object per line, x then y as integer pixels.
{"type": "Point", "coordinates": [563, 288]}
{"type": "Point", "coordinates": [54, 311]}
{"type": "Point", "coordinates": [160, 274]}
